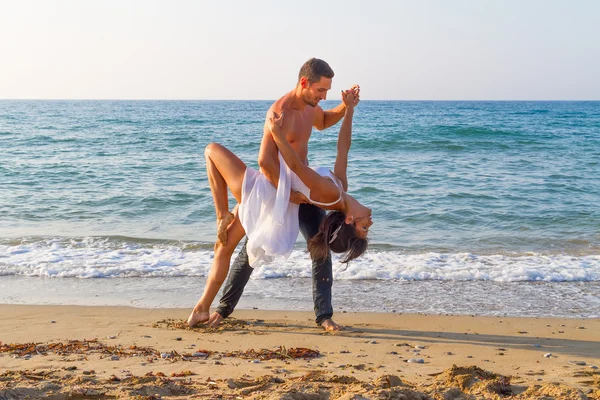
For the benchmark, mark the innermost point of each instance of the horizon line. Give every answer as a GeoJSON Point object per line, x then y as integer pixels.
{"type": "Point", "coordinates": [406, 100]}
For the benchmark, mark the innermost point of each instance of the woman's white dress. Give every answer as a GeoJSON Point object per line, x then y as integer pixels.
{"type": "Point", "coordinates": [268, 217]}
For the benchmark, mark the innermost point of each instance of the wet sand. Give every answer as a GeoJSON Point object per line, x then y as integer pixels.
{"type": "Point", "coordinates": [65, 352]}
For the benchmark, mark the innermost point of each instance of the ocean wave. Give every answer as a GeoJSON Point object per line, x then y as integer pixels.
{"type": "Point", "coordinates": [531, 112]}
{"type": "Point", "coordinates": [472, 131]}
{"type": "Point", "coordinates": [123, 257]}
{"type": "Point", "coordinates": [118, 121]}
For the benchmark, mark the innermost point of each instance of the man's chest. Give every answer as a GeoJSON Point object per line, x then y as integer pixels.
{"type": "Point", "coordinates": [301, 126]}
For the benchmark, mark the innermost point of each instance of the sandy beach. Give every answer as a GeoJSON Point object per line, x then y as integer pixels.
{"type": "Point", "coordinates": [62, 352]}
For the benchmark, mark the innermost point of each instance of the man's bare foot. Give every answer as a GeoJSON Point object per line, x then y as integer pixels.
{"type": "Point", "coordinates": [331, 326]}
{"type": "Point", "coordinates": [222, 224]}
{"type": "Point", "coordinates": [197, 317]}
{"type": "Point", "coordinates": [214, 320]}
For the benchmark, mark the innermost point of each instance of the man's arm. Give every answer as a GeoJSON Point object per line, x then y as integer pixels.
{"type": "Point", "coordinates": [268, 161]}
{"type": "Point", "coordinates": [325, 119]}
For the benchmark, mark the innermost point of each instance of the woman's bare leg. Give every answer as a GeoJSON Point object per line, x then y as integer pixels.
{"type": "Point", "coordinates": [218, 272]}
{"type": "Point", "coordinates": [224, 169]}
{"type": "Point", "coordinates": [218, 188]}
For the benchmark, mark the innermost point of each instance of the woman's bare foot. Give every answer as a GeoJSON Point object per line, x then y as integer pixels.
{"type": "Point", "coordinates": [197, 317]}
{"type": "Point", "coordinates": [222, 224]}
{"type": "Point", "coordinates": [331, 326]}
{"type": "Point", "coordinates": [214, 320]}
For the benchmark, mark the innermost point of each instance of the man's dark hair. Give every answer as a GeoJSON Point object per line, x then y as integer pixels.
{"type": "Point", "coordinates": [314, 69]}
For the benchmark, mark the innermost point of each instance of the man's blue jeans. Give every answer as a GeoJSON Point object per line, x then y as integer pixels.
{"type": "Point", "coordinates": [310, 218]}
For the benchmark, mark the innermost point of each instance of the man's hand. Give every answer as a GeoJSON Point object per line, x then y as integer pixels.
{"type": "Point", "coordinates": [298, 198]}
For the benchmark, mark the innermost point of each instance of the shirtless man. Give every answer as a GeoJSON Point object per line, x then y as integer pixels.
{"type": "Point", "coordinates": [302, 112]}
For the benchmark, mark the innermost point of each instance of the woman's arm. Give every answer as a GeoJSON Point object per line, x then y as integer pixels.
{"type": "Point", "coordinates": [344, 140]}
{"type": "Point", "coordinates": [322, 189]}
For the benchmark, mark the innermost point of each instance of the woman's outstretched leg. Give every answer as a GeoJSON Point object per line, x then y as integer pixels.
{"type": "Point", "coordinates": [224, 169]}
{"type": "Point", "coordinates": [218, 272]}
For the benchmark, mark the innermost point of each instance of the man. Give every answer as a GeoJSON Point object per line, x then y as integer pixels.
{"type": "Point", "coordinates": [302, 112]}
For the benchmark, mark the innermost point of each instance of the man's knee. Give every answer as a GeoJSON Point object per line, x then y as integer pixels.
{"type": "Point", "coordinates": [242, 261]}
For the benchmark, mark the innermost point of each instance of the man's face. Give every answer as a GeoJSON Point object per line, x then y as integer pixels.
{"type": "Point", "coordinates": [315, 92]}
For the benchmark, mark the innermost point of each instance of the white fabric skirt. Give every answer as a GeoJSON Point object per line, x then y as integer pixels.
{"type": "Point", "coordinates": [268, 217]}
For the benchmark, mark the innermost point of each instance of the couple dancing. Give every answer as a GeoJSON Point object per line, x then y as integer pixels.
{"type": "Point", "coordinates": [284, 197]}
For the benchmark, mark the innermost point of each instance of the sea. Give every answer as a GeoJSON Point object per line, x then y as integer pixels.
{"type": "Point", "coordinates": [479, 207]}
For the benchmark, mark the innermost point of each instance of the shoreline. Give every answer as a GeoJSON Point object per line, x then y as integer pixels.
{"type": "Point", "coordinates": [373, 346]}
{"type": "Point", "coordinates": [247, 312]}
{"type": "Point", "coordinates": [431, 297]}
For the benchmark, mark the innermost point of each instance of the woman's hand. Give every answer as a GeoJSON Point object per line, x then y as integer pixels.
{"type": "Point", "coordinates": [275, 123]}
{"type": "Point", "coordinates": [349, 98]}
{"type": "Point", "coordinates": [356, 90]}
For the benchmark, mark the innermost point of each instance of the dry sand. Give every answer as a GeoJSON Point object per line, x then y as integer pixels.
{"type": "Point", "coordinates": [65, 352]}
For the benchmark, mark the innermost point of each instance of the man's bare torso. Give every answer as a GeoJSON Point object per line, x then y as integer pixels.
{"type": "Point", "coordinates": [297, 124]}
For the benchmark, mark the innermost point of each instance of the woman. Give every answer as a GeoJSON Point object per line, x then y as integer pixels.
{"type": "Point", "coordinates": [343, 231]}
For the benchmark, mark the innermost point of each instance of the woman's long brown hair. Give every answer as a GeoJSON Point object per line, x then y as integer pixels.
{"type": "Point", "coordinates": [342, 236]}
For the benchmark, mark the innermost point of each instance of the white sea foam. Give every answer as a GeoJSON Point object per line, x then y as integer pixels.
{"type": "Point", "coordinates": [106, 258]}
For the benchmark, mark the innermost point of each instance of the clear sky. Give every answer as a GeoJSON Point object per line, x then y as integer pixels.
{"type": "Point", "coordinates": [405, 50]}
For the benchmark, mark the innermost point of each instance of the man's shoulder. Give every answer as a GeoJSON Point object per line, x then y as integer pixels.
{"type": "Point", "coordinates": [283, 103]}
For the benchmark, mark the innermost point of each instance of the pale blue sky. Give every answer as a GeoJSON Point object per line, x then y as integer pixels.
{"type": "Point", "coordinates": [406, 50]}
